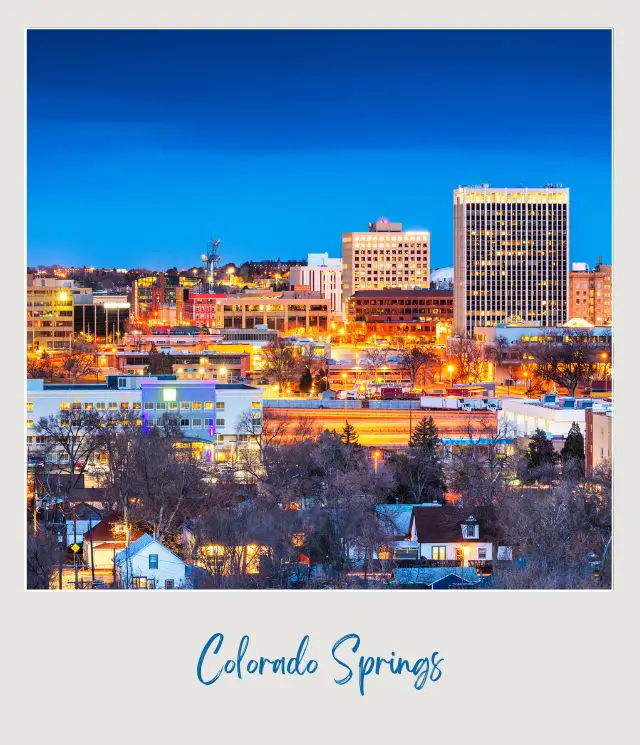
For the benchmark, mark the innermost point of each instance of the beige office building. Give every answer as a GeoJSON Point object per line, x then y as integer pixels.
{"type": "Point", "coordinates": [49, 314]}
{"type": "Point", "coordinates": [385, 257]}
{"type": "Point", "coordinates": [511, 256]}
{"type": "Point", "coordinates": [287, 312]}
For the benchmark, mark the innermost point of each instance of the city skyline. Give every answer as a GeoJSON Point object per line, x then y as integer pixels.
{"type": "Point", "coordinates": [182, 149]}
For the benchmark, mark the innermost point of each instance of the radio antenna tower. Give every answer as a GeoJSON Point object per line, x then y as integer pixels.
{"type": "Point", "coordinates": [210, 261]}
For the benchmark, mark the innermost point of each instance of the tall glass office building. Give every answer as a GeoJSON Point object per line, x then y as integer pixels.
{"type": "Point", "coordinates": [511, 256]}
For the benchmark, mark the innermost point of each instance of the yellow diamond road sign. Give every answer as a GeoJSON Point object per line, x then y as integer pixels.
{"type": "Point", "coordinates": [75, 548]}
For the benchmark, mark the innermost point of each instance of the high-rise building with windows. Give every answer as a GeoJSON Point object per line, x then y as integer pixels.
{"type": "Point", "coordinates": [385, 257]}
{"type": "Point", "coordinates": [511, 256]}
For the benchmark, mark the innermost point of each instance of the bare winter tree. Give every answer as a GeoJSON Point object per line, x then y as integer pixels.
{"type": "Point", "coordinates": [467, 358]}
{"type": "Point", "coordinates": [373, 359]}
{"type": "Point", "coordinates": [75, 434]}
{"type": "Point", "coordinates": [281, 364]}
{"type": "Point", "coordinates": [42, 559]}
{"type": "Point", "coordinates": [417, 363]}
{"type": "Point", "coordinates": [571, 363]}
{"type": "Point", "coordinates": [479, 470]}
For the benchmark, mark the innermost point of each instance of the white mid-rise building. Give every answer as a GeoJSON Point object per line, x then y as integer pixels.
{"type": "Point", "coordinates": [321, 274]}
{"type": "Point", "coordinates": [218, 417]}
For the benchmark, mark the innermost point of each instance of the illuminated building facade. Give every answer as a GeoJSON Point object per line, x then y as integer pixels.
{"type": "Point", "coordinates": [286, 312]}
{"type": "Point", "coordinates": [49, 314]}
{"type": "Point", "coordinates": [323, 275]}
{"type": "Point", "coordinates": [511, 256]}
{"type": "Point", "coordinates": [402, 313]}
{"type": "Point", "coordinates": [385, 257]}
{"type": "Point", "coordinates": [590, 294]}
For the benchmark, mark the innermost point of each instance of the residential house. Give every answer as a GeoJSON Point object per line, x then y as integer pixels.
{"type": "Point", "coordinates": [108, 538]}
{"type": "Point", "coordinates": [452, 536]}
{"type": "Point", "coordinates": [148, 565]}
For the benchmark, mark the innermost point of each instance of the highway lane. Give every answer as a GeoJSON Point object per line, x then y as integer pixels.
{"type": "Point", "coordinates": [388, 427]}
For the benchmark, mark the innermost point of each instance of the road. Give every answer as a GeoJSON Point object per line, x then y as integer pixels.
{"type": "Point", "coordinates": [389, 427]}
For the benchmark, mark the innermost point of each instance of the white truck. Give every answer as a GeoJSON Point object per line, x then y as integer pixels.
{"type": "Point", "coordinates": [462, 404]}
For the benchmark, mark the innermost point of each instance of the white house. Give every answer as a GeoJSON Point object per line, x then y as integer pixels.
{"type": "Point", "coordinates": [452, 534]}
{"type": "Point", "coordinates": [148, 565]}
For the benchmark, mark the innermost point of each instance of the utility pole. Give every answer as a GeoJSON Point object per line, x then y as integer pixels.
{"type": "Point", "coordinates": [75, 553]}
{"type": "Point", "coordinates": [93, 571]}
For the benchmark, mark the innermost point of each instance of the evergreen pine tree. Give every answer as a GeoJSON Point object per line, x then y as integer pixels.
{"type": "Point", "coordinates": [349, 435]}
{"type": "Point", "coordinates": [425, 435]}
{"type": "Point", "coordinates": [572, 452]}
{"type": "Point", "coordinates": [306, 381]}
{"type": "Point", "coordinates": [541, 452]}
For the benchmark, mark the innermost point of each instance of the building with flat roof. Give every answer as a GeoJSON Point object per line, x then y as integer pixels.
{"type": "Point", "coordinates": [323, 275]}
{"type": "Point", "coordinates": [50, 304]}
{"type": "Point", "coordinates": [553, 414]}
{"type": "Point", "coordinates": [511, 256]}
{"type": "Point", "coordinates": [211, 415]}
{"type": "Point", "coordinates": [101, 315]}
{"type": "Point", "coordinates": [385, 257]}
{"type": "Point", "coordinates": [393, 314]}
{"type": "Point", "coordinates": [591, 293]}
{"type": "Point", "coordinates": [286, 312]}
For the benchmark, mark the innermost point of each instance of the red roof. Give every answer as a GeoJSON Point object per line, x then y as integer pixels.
{"type": "Point", "coordinates": [104, 531]}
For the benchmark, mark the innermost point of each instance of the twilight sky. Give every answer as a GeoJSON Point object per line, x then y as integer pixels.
{"type": "Point", "coordinates": [143, 145]}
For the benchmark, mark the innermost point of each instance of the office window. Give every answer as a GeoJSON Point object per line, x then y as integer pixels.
{"type": "Point", "coordinates": [220, 405]}
{"type": "Point", "coordinates": [173, 406]}
{"type": "Point", "coordinates": [136, 405]}
{"type": "Point", "coordinates": [148, 405]}
{"type": "Point", "coordinates": [29, 406]}
{"type": "Point", "coordinates": [219, 422]}
{"type": "Point", "coordinates": [208, 405]}
{"type": "Point", "coordinates": [124, 405]}
{"type": "Point", "coordinates": [65, 406]}
{"type": "Point", "coordinates": [196, 405]}
{"type": "Point", "coordinates": [112, 405]}
{"type": "Point", "coordinates": [161, 406]}
{"type": "Point", "coordinates": [101, 406]}
{"type": "Point", "coordinates": [196, 423]}
{"type": "Point", "coordinates": [153, 561]}
{"type": "Point", "coordinates": [185, 405]}
{"type": "Point", "coordinates": [184, 422]}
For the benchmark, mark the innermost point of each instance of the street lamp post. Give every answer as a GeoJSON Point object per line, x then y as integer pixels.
{"type": "Point", "coordinates": [450, 368]}
{"type": "Point", "coordinates": [604, 357]}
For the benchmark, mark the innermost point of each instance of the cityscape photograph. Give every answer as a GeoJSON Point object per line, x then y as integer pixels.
{"type": "Point", "coordinates": [319, 309]}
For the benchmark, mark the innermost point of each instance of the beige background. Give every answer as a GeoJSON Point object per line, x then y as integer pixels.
{"type": "Point", "coordinates": [518, 667]}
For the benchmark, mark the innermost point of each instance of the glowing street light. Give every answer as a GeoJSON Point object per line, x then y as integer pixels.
{"type": "Point", "coordinates": [450, 368]}
{"type": "Point", "coordinates": [376, 457]}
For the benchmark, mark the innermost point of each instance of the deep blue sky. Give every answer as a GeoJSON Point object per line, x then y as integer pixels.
{"type": "Point", "coordinates": [142, 145]}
